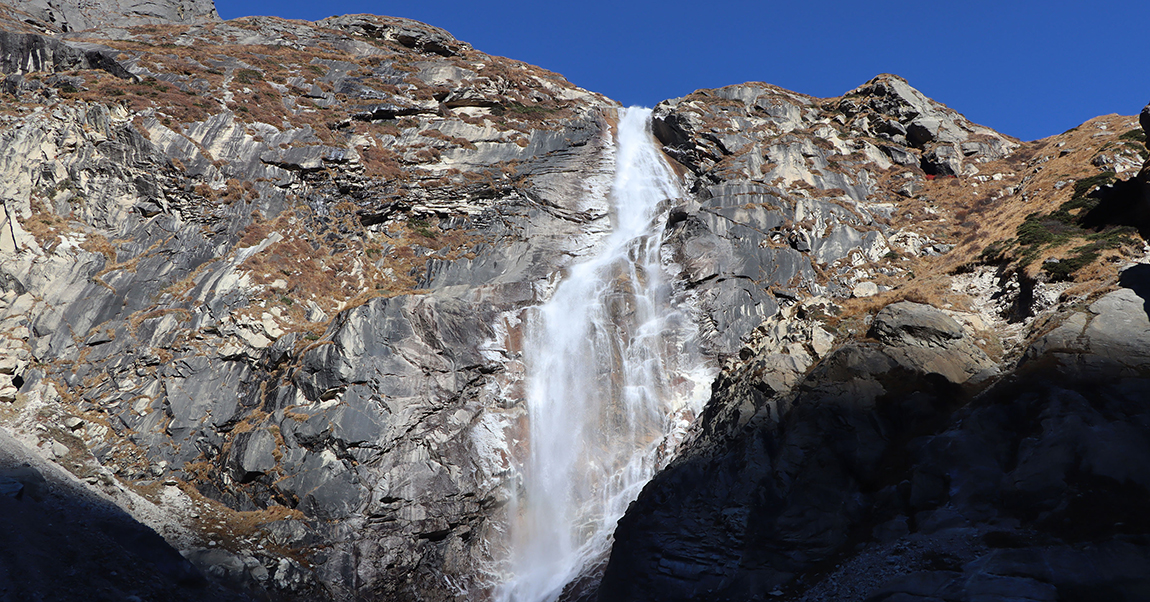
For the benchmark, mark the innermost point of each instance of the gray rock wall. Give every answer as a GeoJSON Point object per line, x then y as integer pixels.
{"type": "Point", "coordinates": [253, 309]}
{"type": "Point", "coordinates": [77, 15]}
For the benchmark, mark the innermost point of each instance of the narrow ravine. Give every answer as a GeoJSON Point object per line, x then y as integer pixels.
{"type": "Point", "coordinates": [613, 374]}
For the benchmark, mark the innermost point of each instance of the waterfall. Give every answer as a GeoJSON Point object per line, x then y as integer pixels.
{"type": "Point", "coordinates": [612, 376]}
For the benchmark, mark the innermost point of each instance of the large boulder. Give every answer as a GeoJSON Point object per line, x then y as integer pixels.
{"type": "Point", "coordinates": [1111, 337]}
{"type": "Point", "coordinates": [928, 341]}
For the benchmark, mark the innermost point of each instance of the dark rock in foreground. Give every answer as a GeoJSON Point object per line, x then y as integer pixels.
{"type": "Point", "coordinates": [890, 476]}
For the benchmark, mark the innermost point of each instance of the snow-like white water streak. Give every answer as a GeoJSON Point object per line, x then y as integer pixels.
{"type": "Point", "coordinates": [612, 374]}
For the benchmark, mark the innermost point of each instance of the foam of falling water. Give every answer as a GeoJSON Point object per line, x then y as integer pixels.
{"type": "Point", "coordinates": [610, 365]}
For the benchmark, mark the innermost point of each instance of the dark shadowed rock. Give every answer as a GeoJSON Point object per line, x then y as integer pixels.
{"type": "Point", "coordinates": [1144, 120]}
{"type": "Point", "coordinates": [942, 160]}
{"type": "Point", "coordinates": [52, 527]}
{"type": "Point", "coordinates": [1046, 459]}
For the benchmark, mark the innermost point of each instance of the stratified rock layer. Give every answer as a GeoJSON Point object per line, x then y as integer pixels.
{"type": "Point", "coordinates": [76, 15]}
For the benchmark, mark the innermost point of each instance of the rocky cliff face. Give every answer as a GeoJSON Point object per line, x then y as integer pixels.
{"type": "Point", "coordinates": [281, 263]}
{"type": "Point", "coordinates": [77, 15]}
{"type": "Point", "coordinates": [993, 451]}
{"type": "Point", "coordinates": [263, 283]}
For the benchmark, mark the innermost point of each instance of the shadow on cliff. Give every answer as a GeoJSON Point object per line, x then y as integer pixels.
{"type": "Point", "coordinates": [1123, 203]}
{"type": "Point", "coordinates": [1137, 279]}
{"type": "Point", "coordinates": [60, 544]}
{"type": "Point", "coordinates": [1037, 484]}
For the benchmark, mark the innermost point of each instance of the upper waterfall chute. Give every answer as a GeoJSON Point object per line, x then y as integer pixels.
{"type": "Point", "coordinates": [612, 368]}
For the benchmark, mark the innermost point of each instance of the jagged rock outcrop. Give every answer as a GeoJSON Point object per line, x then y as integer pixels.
{"type": "Point", "coordinates": [787, 186]}
{"type": "Point", "coordinates": [766, 207]}
{"type": "Point", "coordinates": [30, 52]}
{"type": "Point", "coordinates": [932, 459]}
{"type": "Point", "coordinates": [888, 108]}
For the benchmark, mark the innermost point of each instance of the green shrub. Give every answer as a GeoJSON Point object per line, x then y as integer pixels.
{"type": "Point", "coordinates": [420, 226]}
{"type": "Point", "coordinates": [1085, 186]}
{"type": "Point", "coordinates": [1033, 231]}
{"type": "Point", "coordinates": [248, 76]}
{"type": "Point", "coordinates": [995, 251]}
{"type": "Point", "coordinates": [1064, 268]}
{"type": "Point", "coordinates": [1134, 135]}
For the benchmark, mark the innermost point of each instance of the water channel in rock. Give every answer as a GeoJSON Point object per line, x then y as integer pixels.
{"type": "Point", "coordinates": [613, 375]}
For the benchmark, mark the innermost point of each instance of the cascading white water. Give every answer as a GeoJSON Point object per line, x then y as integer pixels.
{"type": "Point", "coordinates": [611, 373]}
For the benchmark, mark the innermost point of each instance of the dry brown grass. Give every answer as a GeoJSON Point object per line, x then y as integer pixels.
{"type": "Point", "coordinates": [98, 243]}
{"type": "Point", "coordinates": [451, 140]}
{"type": "Point", "coordinates": [1054, 165]}
{"type": "Point", "coordinates": [46, 226]}
{"type": "Point", "coordinates": [229, 528]}
{"type": "Point", "coordinates": [343, 271]}
{"type": "Point", "coordinates": [178, 106]}
{"type": "Point", "coordinates": [383, 163]}
{"type": "Point", "coordinates": [974, 215]}
{"type": "Point", "coordinates": [181, 287]}
{"type": "Point", "coordinates": [933, 289]}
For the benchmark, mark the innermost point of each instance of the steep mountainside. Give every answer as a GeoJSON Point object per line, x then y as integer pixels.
{"type": "Point", "coordinates": [270, 261]}
{"type": "Point", "coordinates": [264, 284]}
{"type": "Point", "coordinates": [993, 449]}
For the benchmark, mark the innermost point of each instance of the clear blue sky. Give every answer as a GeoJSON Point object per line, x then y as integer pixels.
{"type": "Point", "coordinates": [1026, 68]}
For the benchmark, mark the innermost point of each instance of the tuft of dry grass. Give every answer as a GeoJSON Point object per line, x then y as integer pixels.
{"type": "Point", "coordinates": [46, 226]}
